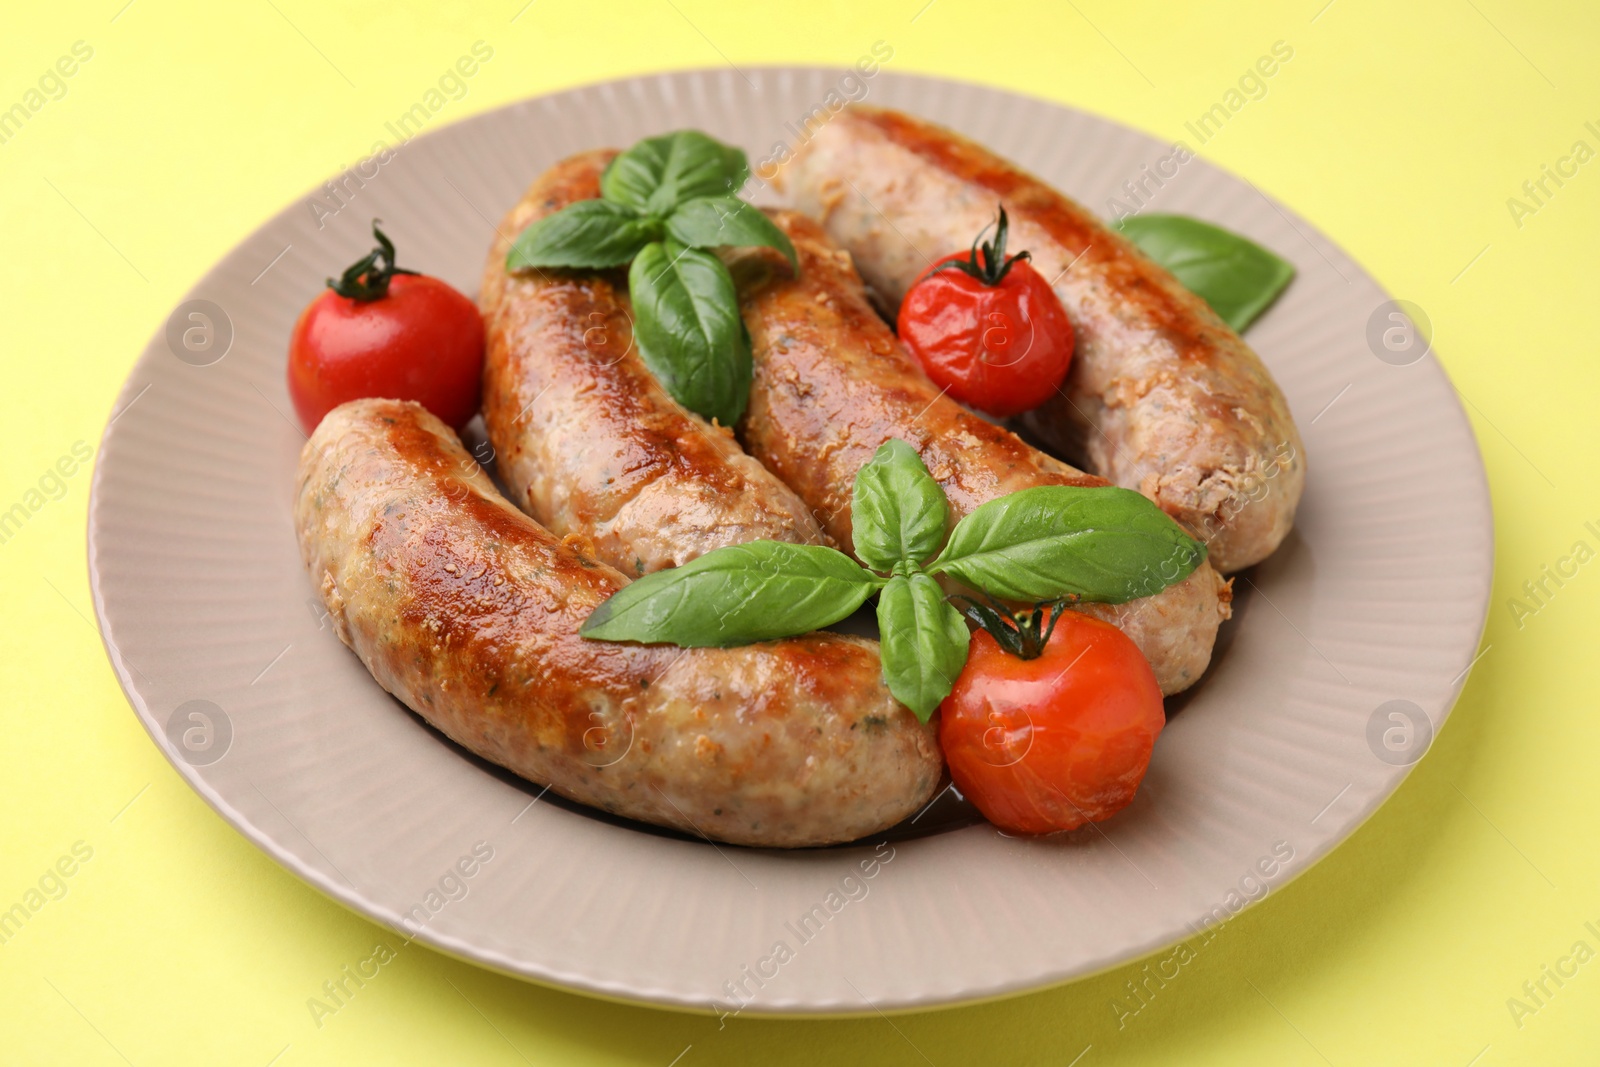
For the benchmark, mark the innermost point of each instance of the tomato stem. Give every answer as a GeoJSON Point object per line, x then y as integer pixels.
{"type": "Point", "coordinates": [992, 264]}
{"type": "Point", "coordinates": [1021, 633]}
{"type": "Point", "coordinates": [367, 279]}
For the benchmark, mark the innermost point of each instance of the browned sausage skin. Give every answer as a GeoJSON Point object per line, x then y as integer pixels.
{"type": "Point", "coordinates": [832, 383]}
{"type": "Point", "coordinates": [1162, 397]}
{"type": "Point", "coordinates": [468, 611]}
{"type": "Point", "coordinates": [586, 439]}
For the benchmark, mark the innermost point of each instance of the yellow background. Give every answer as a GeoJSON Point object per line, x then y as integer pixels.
{"type": "Point", "coordinates": [1399, 129]}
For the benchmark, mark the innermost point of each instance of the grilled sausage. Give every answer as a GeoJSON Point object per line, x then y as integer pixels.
{"type": "Point", "coordinates": [468, 611]}
{"type": "Point", "coordinates": [1162, 396]}
{"type": "Point", "coordinates": [586, 439]}
{"type": "Point", "coordinates": [832, 383]}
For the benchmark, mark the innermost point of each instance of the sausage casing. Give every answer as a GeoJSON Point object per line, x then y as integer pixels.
{"type": "Point", "coordinates": [1162, 397]}
{"type": "Point", "coordinates": [587, 441]}
{"type": "Point", "coordinates": [468, 612]}
{"type": "Point", "coordinates": [832, 383]}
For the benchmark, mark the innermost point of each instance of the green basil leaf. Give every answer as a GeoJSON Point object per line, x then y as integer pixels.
{"type": "Point", "coordinates": [721, 221]}
{"type": "Point", "coordinates": [1104, 544]}
{"type": "Point", "coordinates": [897, 511]}
{"type": "Point", "coordinates": [1236, 276]}
{"type": "Point", "coordinates": [590, 233]}
{"type": "Point", "coordinates": [922, 640]}
{"type": "Point", "coordinates": [659, 173]}
{"type": "Point", "coordinates": [686, 321]}
{"type": "Point", "coordinates": [757, 591]}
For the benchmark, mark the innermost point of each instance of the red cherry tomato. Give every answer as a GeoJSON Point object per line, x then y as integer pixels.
{"type": "Point", "coordinates": [1053, 742]}
{"type": "Point", "coordinates": [383, 332]}
{"type": "Point", "coordinates": [988, 328]}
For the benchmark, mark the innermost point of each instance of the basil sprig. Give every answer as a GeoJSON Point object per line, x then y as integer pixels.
{"type": "Point", "coordinates": [727, 221]}
{"type": "Point", "coordinates": [922, 641]}
{"type": "Point", "coordinates": [590, 233]}
{"type": "Point", "coordinates": [1047, 543]}
{"type": "Point", "coordinates": [732, 596]}
{"type": "Point", "coordinates": [659, 173]}
{"type": "Point", "coordinates": [1236, 276]}
{"type": "Point", "coordinates": [1065, 540]}
{"type": "Point", "coordinates": [662, 203]}
{"type": "Point", "coordinates": [686, 321]}
{"type": "Point", "coordinates": [897, 511]}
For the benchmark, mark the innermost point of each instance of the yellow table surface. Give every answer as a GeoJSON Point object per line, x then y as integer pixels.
{"type": "Point", "coordinates": [1402, 130]}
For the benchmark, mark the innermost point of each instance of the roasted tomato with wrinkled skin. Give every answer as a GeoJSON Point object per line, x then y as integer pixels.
{"type": "Point", "coordinates": [1057, 739]}
{"type": "Point", "coordinates": [380, 331]}
{"type": "Point", "coordinates": [988, 329]}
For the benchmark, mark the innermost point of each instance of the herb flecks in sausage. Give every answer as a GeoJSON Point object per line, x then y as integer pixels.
{"type": "Point", "coordinates": [1162, 396]}
{"type": "Point", "coordinates": [501, 669]}
{"type": "Point", "coordinates": [863, 388]}
{"type": "Point", "coordinates": [585, 437]}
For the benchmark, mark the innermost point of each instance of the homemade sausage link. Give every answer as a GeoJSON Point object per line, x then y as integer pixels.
{"type": "Point", "coordinates": [832, 383]}
{"type": "Point", "coordinates": [468, 611]}
{"type": "Point", "coordinates": [586, 439]}
{"type": "Point", "coordinates": [1162, 397]}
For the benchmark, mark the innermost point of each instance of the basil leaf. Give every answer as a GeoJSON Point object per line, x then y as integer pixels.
{"type": "Point", "coordinates": [719, 221]}
{"type": "Point", "coordinates": [590, 233]}
{"type": "Point", "coordinates": [686, 321]}
{"type": "Point", "coordinates": [922, 640]}
{"type": "Point", "coordinates": [897, 511]}
{"type": "Point", "coordinates": [1236, 276]}
{"type": "Point", "coordinates": [1104, 544]}
{"type": "Point", "coordinates": [757, 591]}
{"type": "Point", "coordinates": [659, 173]}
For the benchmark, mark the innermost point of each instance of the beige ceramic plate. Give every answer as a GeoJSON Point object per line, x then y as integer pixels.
{"type": "Point", "coordinates": [1349, 647]}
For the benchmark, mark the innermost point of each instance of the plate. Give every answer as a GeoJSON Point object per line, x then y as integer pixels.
{"type": "Point", "coordinates": [1349, 646]}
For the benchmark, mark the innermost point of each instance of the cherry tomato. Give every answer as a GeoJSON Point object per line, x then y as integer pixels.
{"type": "Point", "coordinates": [380, 331]}
{"type": "Point", "coordinates": [1058, 740]}
{"type": "Point", "coordinates": [987, 328]}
